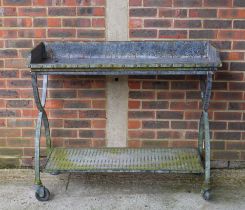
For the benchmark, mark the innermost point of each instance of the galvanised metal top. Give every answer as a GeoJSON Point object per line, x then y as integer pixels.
{"type": "Point", "coordinates": [154, 55]}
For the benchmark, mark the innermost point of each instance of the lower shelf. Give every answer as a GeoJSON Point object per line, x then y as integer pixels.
{"type": "Point", "coordinates": [174, 160]}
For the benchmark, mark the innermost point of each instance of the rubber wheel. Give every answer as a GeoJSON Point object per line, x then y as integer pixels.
{"type": "Point", "coordinates": [55, 173]}
{"type": "Point", "coordinates": [45, 197]}
{"type": "Point", "coordinates": [206, 195]}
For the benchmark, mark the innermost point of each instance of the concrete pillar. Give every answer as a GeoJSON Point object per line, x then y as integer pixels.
{"type": "Point", "coordinates": [117, 86]}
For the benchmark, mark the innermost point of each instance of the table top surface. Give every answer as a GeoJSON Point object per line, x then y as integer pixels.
{"type": "Point", "coordinates": [140, 56]}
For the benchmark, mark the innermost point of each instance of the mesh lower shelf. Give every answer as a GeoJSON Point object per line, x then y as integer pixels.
{"type": "Point", "coordinates": [124, 160]}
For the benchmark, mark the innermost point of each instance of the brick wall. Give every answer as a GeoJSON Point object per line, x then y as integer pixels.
{"type": "Point", "coordinates": [168, 111]}
{"type": "Point", "coordinates": [163, 111]}
{"type": "Point", "coordinates": [77, 113]}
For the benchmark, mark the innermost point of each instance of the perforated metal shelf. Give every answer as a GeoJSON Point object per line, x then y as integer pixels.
{"type": "Point", "coordinates": [124, 160]}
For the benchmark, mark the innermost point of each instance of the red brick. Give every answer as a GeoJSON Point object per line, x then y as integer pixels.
{"type": "Point", "coordinates": [90, 11]}
{"type": "Point", "coordinates": [54, 104]}
{"type": "Point", "coordinates": [61, 11]}
{"type": "Point", "coordinates": [236, 106]}
{"type": "Point", "coordinates": [203, 34]}
{"type": "Point", "coordinates": [19, 104]}
{"type": "Point", "coordinates": [61, 33]}
{"type": "Point", "coordinates": [141, 94]}
{"type": "Point", "coordinates": [235, 145]}
{"type": "Point", "coordinates": [134, 143]}
{"type": "Point", "coordinates": [155, 85]}
{"type": "Point", "coordinates": [99, 104]}
{"type": "Point", "coordinates": [155, 124]}
{"type": "Point", "coordinates": [63, 133]}
{"type": "Point", "coordinates": [98, 143]}
{"type": "Point", "coordinates": [166, 12]}
{"type": "Point", "coordinates": [134, 85]}
{"type": "Point", "coordinates": [184, 105]}
{"type": "Point", "coordinates": [143, 12]}
{"type": "Point", "coordinates": [76, 22]}
{"type": "Point", "coordinates": [231, 35]}
{"type": "Point", "coordinates": [142, 134]}
{"type": "Point", "coordinates": [92, 133]}
{"type": "Point", "coordinates": [54, 22]}
{"type": "Point", "coordinates": [191, 115]}
{"type": "Point", "coordinates": [84, 33]}
{"type": "Point", "coordinates": [184, 125]}
{"type": "Point", "coordinates": [187, 3]}
{"type": "Point", "coordinates": [32, 33]}
{"type": "Point", "coordinates": [98, 123]}
{"type": "Point", "coordinates": [218, 3]}
{"type": "Point", "coordinates": [236, 126]}
{"type": "Point", "coordinates": [143, 33]}
{"type": "Point", "coordinates": [169, 135]}
{"type": "Point", "coordinates": [10, 132]}
{"type": "Point", "coordinates": [236, 85]}
{"type": "Point", "coordinates": [9, 11]}
{"type": "Point", "coordinates": [187, 23]}
{"type": "Point", "coordinates": [228, 96]}
{"type": "Point", "coordinates": [231, 13]}
{"type": "Point", "coordinates": [157, 3]}
{"type": "Point", "coordinates": [239, 3]}
{"type": "Point", "coordinates": [91, 3]}
{"type": "Point", "coordinates": [172, 34]}
{"type": "Point", "coordinates": [140, 114]}
{"type": "Point", "coordinates": [77, 104]}
{"type": "Point", "coordinates": [227, 135]}
{"type": "Point", "coordinates": [63, 114]}
{"type": "Point", "coordinates": [30, 11]}
{"type": "Point", "coordinates": [170, 95]}
{"type": "Point", "coordinates": [227, 116]}
{"type": "Point", "coordinates": [135, 2]}
{"type": "Point", "coordinates": [91, 94]}
{"type": "Point", "coordinates": [232, 56]}
{"type": "Point", "coordinates": [134, 124]}
{"type": "Point", "coordinates": [229, 76]}
{"type": "Point", "coordinates": [239, 45]}
{"type": "Point", "coordinates": [222, 24]}
{"type": "Point", "coordinates": [155, 105]}
{"type": "Point", "coordinates": [17, 3]}
{"type": "Point", "coordinates": [183, 144]}
{"type": "Point", "coordinates": [154, 23]}
{"type": "Point", "coordinates": [209, 13]}
{"type": "Point", "coordinates": [169, 115]}
{"type": "Point", "coordinates": [136, 23]}
{"type": "Point", "coordinates": [133, 104]}
{"type": "Point", "coordinates": [155, 144]}
{"type": "Point", "coordinates": [98, 22]}
{"type": "Point", "coordinates": [78, 143]}
{"type": "Point", "coordinates": [92, 114]}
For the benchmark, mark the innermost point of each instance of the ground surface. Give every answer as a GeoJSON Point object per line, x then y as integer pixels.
{"type": "Point", "coordinates": [122, 191]}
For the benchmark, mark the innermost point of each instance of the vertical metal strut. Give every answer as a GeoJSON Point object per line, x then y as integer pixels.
{"type": "Point", "coordinates": [204, 131]}
{"type": "Point", "coordinates": [42, 116]}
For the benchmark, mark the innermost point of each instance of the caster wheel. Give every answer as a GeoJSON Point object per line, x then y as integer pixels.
{"type": "Point", "coordinates": [45, 197]}
{"type": "Point", "coordinates": [55, 173]}
{"type": "Point", "coordinates": [206, 195]}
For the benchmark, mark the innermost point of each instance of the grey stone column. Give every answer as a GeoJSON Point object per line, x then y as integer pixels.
{"type": "Point", "coordinates": [117, 86]}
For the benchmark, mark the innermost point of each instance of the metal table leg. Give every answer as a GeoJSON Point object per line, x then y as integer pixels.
{"type": "Point", "coordinates": [42, 193]}
{"type": "Point", "coordinates": [204, 123]}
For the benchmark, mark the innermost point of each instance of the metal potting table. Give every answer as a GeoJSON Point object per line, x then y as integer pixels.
{"type": "Point", "coordinates": [124, 58]}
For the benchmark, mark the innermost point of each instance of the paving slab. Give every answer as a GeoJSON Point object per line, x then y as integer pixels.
{"type": "Point", "coordinates": [122, 191]}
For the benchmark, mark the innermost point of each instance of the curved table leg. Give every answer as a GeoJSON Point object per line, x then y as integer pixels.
{"type": "Point", "coordinates": [205, 123]}
{"type": "Point", "coordinates": [42, 193]}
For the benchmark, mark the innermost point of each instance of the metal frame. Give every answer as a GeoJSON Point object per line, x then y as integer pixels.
{"type": "Point", "coordinates": [203, 136]}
